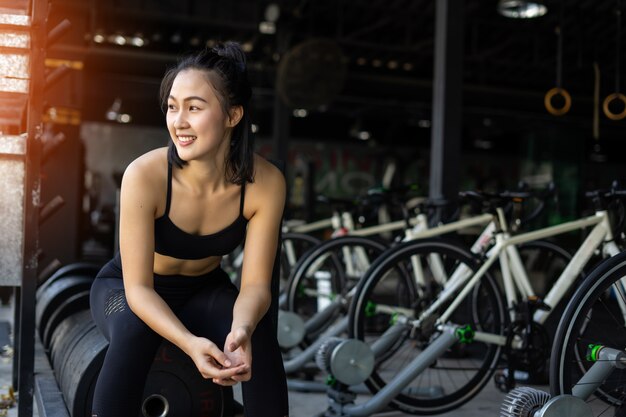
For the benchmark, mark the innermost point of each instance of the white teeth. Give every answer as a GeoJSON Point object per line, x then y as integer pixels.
{"type": "Point", "coordinates": [186, 139]}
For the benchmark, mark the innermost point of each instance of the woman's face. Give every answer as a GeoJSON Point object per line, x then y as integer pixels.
{"type": "Point", "coordinates": [195, 119]}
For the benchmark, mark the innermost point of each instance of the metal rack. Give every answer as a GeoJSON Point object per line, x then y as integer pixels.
{"type": "Point", "coordinates": [23, 80]}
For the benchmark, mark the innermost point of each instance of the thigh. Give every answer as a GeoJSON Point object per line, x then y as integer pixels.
{"type": "Point", "coordinates": [112, 314]}
{"type": "Point", "coordinates": [132, 346]}
{"type": "Point", "coordinates": [209, 312]}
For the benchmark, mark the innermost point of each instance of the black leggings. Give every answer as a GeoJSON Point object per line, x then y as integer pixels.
{"type": "Point", "coordinates": [204, 304]}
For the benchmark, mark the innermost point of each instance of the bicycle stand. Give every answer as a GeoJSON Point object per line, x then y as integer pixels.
{"type": "Point", "coordinates": [530, 402]}
{"type": "Point", "coordinates": [347, 361]}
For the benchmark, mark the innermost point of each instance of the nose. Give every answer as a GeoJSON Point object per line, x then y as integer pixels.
{"type": "Point", "coordinates": [180, 120]}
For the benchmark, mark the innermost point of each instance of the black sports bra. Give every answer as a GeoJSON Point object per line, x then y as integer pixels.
{"type": "Point", "coordinates": [169, 240]}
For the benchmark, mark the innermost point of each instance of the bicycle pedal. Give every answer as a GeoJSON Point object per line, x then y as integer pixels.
{"type": "Point", "coordinates": [502, 381]}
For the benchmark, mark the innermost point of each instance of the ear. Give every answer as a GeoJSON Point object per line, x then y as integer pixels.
{"type": "Point", "coordinates": [235, 115]}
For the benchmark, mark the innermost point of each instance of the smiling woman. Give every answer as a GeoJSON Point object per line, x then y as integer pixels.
{"type": "Point", "coordinates": [182, 208]}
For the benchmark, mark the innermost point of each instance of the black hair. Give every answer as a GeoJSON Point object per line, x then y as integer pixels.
{"type": "Point", "coordinates": [225, 66]}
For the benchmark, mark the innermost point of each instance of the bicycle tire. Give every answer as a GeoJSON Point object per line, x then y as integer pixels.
{"type": "Point", "coordinates": [301, 243]}
{"type": "Point", "coordinates": [457, 361]}
{"type": "Point", "coordinates": [596, 299]}
{"type": "Point", "coordinates": [305, 296]}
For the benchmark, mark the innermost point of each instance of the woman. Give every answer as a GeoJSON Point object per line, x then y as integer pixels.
{"type": "Point", "coordinates": [181, 209]}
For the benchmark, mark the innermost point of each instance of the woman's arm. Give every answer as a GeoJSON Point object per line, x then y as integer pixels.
{"type": "Point", "coordinates": [138, 203]}
{"type": "Point", "coordinates": [266, 196]}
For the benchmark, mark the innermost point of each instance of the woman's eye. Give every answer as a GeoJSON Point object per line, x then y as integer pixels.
{"type": "Point", "coordinates": [194, 108]}
{"type": "Point", "coordinates": [171, 107]}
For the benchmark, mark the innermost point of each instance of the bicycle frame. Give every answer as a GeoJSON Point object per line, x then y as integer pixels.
{"type": "Point", "coordinates": [514, 275]}
{"type": "Point", "coordinates": [420, 230]}
{"type": "Point", "coordinates": [356, 260]}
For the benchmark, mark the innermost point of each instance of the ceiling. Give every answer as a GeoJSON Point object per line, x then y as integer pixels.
{"type": "Point", "coordinates": [386, 47]}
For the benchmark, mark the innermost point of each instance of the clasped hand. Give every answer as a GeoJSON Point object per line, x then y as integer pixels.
{"type": "Point", "coordinates": [227, 367]}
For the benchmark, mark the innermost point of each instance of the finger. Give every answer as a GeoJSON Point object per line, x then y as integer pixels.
{"type": "Point", "coordinates": [221, 358]}
{"type": "Point", "coordinates": [239, 338]}
{"type": "Point", "coordinates": [225, 382]}
{"type": "Point", "coordinates": [234, 344]}
{"type": "Point", "coordinates": [228, 373]}
{"type": "Point", "coordinates": [242, 377]}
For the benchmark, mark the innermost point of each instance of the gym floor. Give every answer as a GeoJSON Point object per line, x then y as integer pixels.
{"type": "Point", "coordinates": [485, 404]}
{"type": "Point", "coordinates": [302, 404]}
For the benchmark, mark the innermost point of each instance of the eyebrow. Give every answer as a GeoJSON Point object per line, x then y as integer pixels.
{"type": "Point", "coordinates": [189, 98]}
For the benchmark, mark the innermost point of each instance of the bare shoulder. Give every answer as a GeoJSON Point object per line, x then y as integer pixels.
{"type": "Point", "coordinates": [268, 188]}
{"type": "Point", "coordinates": [266, 174]}
{"type": "Point", "coordinates": [145, 178]}
{"type": "Point", "coordinates": [149, 166]}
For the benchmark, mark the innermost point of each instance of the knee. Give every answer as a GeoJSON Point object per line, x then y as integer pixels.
{"type": "Point", "coordinates": [129, 329]}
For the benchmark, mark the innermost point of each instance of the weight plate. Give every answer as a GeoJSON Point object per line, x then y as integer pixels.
{"type": "Point", "coordinates": [75, 269]}
{"type": "Point", "coordinates": [54, 295]}
{"type": "Point", "coordinates": [73, 304]}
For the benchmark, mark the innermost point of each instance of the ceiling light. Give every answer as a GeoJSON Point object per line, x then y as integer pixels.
{"type": "Point", "coordinates": [267, 28]}
{"type": "Point", "coordinates": [114, 110]}
{"type": "Point", "coordinates": [117, 39]}
{"type": "Point", "coordinates": [522, 9]}
{"type": "Point", "coordinates": [358, 132]}
{"type": "Point", "coordinates": [364, 135]}
{"type": "Point", "coordinates": [300, 113]}
{"type": "Point", "coordinates": [247, 46]}
{"type": "Point", "coordinates": [124, 118]}
{"type": "Point", "coordinates": [138, 40]}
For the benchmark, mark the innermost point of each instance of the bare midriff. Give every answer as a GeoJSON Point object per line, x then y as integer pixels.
{"type": "Point", "coordinates": [166, 265]}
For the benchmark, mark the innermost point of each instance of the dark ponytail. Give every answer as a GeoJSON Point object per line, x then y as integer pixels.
{"type": "Point", "coordinates": [225, 66]}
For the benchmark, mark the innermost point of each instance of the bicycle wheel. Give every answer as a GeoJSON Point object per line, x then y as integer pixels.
{"type": "Point", "coordinates": [325, 276]}
{"type": "Point", "coordinates": [386, 297]}
{"type": "Point", "coordinates": [595, 315]}
{"type": "Point", "coordinates": [293, 247]}
{"type": "Point", "coordinates": [543, 261]}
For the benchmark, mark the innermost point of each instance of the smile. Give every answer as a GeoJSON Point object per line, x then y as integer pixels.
{"type": "Point", "coordinates": [186, 139]}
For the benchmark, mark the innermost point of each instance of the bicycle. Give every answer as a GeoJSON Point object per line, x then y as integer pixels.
{"type": "Point", "coordinates": [324, 279]}
{"type": "Point", "coordinates": [462, 305]}
{"type": "Point", "coordinates": [588, 359]}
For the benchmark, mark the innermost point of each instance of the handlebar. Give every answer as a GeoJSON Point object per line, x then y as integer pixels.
{"type": "Point", "coordinates": [612, 200]}
{"type": "Point", "coordinates": [507, 199]}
